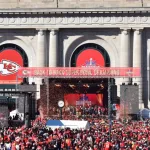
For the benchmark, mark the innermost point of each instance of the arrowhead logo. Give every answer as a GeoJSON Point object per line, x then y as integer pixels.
{"type": "Point", "coordinates": [25, 72]}
{"type": "Point", "coordinates": [129, 72]}
{"type": "Point", "coordinates": [8, 67]}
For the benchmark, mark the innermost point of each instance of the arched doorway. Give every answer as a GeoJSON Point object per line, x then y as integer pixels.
{"type": "Point", "coordinates": [92, 55]}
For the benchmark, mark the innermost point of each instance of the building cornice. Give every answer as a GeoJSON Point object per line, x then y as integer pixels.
{"type": "Point", "coordinates": [74, 20]}
{"type": "Point", "coordinates": [75, 10]}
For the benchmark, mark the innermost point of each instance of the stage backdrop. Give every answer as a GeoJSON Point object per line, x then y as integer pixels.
{"type": "Point", "coordinates": [83, 99]}
{"type": "Point", "coordinates": [10, 62]}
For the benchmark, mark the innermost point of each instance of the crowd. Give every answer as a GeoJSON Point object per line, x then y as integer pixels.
{"type": "Point", "coordinates": [79, 111]}
{"type": "Point", "coordinates": [132, 135]}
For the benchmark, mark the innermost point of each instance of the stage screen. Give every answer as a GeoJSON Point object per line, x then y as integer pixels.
{"type": "Point", "coordinates": [83, 99]}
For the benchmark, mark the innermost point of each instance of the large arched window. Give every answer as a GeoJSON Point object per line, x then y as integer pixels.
{"type": "Point", "coordinates": [17, 48]}
{"type": "Point", "coordinates": [90, 54]}
{"type": "Point", "coordinates": [12, 57]}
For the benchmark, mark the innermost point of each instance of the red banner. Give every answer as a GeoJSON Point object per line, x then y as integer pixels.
{"type": "Point", "coordinates": [78, 72]}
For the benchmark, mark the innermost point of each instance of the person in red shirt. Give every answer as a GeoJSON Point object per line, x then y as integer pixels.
{"type": "Point", "coordinates": [107, 146]}
{"type": "Point", "coordinates": [13, 146]}
{"type": "Point", "coordinates": [95, 147]}
{"type": "Point", "coordinates": [122, 145]}
{"type": "Point", "coordinates": [68, 143]}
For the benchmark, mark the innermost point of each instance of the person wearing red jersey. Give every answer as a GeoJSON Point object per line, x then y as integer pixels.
{"type": "Point", "coordinates": [107, 145]}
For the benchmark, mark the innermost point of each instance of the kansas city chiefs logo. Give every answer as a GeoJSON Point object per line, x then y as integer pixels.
{"type": "Point", "coordinates": [8, 67]}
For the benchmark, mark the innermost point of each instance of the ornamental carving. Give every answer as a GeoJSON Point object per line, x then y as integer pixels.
{"type": "Point", "coordinates": [95, 19]}
{"type": "Point", "coordinates": [12, 20]}
{"type": "Point", "coordinates": [125, 31]}
{"type": "Point", "coordinates": [89, 21]}
{"type": "Point", "coordinates": [131, 19]}
{"type": "Point", "coordinates": [120, 19]}
{"type": "Point", "coordinates": [24, 20]}
{"type": "Point", "coordinates": [107, 19]}
{"type": "Point", "coordinates": [144, 19]}
{"type": "Point", "coordinates": [41, 32]}
{"type": "Point", "coordinates": [138, 31]}
{"type": "Point", "coordinates": [35, 20]}
{"type": "Point", "coordinates": [1, 20]}
{"type": "Point", "coordinates": [59, 20]}
{"type": "Point", "coordinates": [53, 32]}
{"type": "Point", "coordinates": [71, 19]}
{"type": "Point", "coordinates": [83, 19]}
{"type": "Point", "coordinates": [47, 20]}
{"type": "Point", "coordinates": [101, 20]}
{"type": "Point", "coordinates": [77, 21]}
{"type": "Point", "coordinates": [74, 20]}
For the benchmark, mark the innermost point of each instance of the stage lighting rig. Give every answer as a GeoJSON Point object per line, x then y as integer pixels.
{"type": "Point", "coordinates": [86, 85]}
{"type": "Point", "coordinates": [101, 86]}
{"type": "Point", "coordinates": [57, 84]}
{"type": "Point", "coordinates": [72, 86]}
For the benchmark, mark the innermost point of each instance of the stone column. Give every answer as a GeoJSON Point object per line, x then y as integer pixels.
{"type": "Point", "coordinates": [148, 77]}
{"type": "Point", "coordinates": [41, 49]}
{"type": "Point", "coordinates": [125, 51]}
{"type": "Point", "coordinates": [137, 60]}
{"type": "Point", "coordinates": [53, 60]}
{"type": "Point", "coordinates": [40, 55]}
{"type": "Point", "coordinates": [53, 48]}
{"type": "Point", "coordinates": [125, 60]}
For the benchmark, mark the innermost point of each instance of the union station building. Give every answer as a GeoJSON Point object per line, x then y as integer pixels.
{"type": "Point", "coordinates": [75, 33]}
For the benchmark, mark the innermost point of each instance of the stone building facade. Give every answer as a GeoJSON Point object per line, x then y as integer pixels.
{"type": "Point", "coordinates": [50, 31]}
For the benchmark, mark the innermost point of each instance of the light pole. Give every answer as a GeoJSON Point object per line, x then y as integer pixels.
{"type": "Point", "coordinates": [83, 106]}
{"type": "Point", "coordinates": [109, 107]}
{"type": "Point", "coordinates": [47, 93]}
{"type": "Point", "coordinates": [61, 105]}
{"type": "Point", "coordinates": [125, 99]}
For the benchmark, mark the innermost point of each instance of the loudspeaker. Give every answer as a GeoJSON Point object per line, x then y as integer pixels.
{"type": "Point", "coordinates": [129, 98]}
{"type": "Point", "coordinates": [113, 94]}
{"type": "Point", "coordinates": [32, 106]}
{"type": "Point", "coordinates": [33, 109]}
{"type": "Point", "coordinates": [25, 81]}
